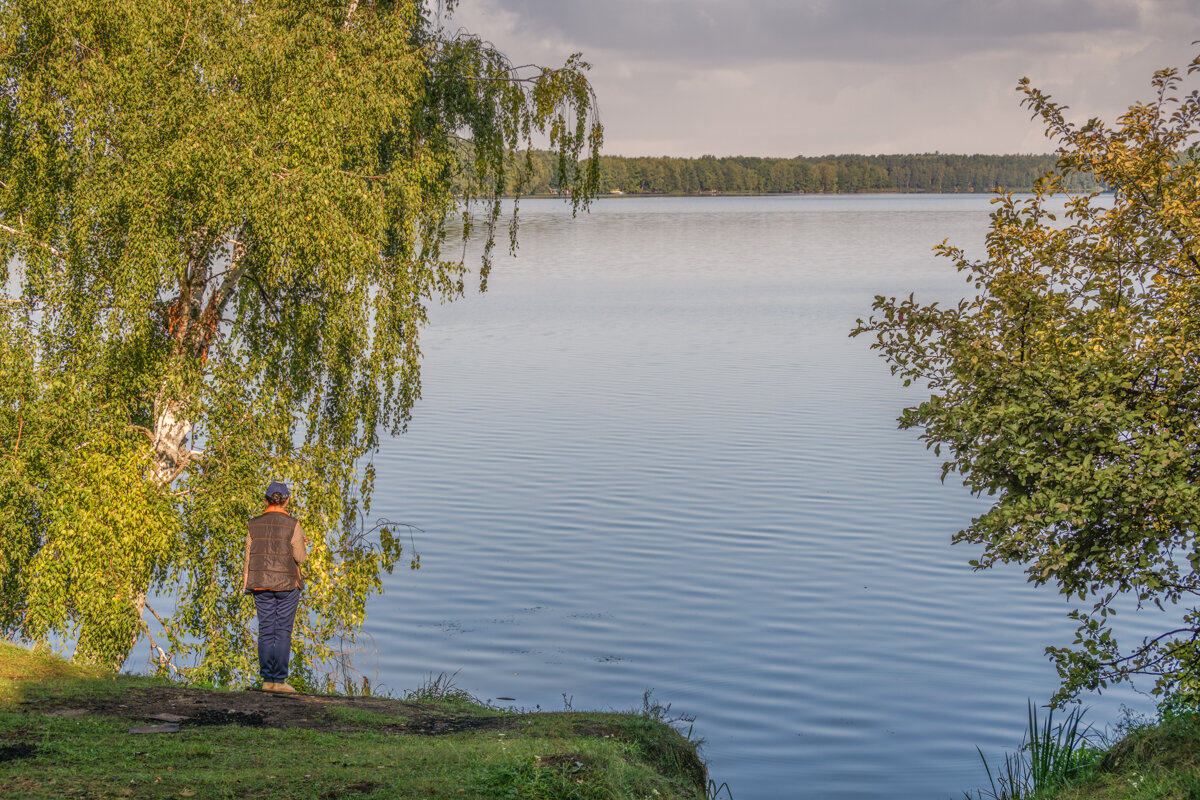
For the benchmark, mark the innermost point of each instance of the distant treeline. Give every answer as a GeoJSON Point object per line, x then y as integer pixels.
{"type": "Point", "coordinates": [925, 172]}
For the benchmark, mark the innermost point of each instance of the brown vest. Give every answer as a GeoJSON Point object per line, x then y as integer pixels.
{"type": "Point", "coordinates": [271, 565]}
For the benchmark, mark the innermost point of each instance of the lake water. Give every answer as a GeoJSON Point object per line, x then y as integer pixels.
{"type": "Point", "coordinates": [649, 457]}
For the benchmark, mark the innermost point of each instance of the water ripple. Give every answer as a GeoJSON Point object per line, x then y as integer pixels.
{"type": "Point", "coordinates": [650, 457]}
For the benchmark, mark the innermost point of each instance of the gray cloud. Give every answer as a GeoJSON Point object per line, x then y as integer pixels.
{"type": "Point", "coordinates": [720, 32]}
{"type": "Point", "coordinates": [788, 77]}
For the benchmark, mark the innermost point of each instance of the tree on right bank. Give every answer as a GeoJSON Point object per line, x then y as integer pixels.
{"type": "Point", "coordinates": [1067, 388]}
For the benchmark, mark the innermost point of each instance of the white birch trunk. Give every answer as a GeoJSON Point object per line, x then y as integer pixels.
{"type": "Point", "coordinates": [171, 457]}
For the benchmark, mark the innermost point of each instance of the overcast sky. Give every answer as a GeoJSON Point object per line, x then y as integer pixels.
{"type": "Point", "coordinates": [817, 77]}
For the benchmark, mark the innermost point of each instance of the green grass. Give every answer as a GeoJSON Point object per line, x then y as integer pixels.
{"type": "Point", "coordinates": [21, 669]}
{"type": "Point", "coordinates": [1158, 761]}
{"type": "Point", "coordinates": [357, 754]}
{"type": "Point", "coordinates": [360, 717]}
{"type": "Point", "coordinates": [1155, 762]}
{"type": "Point", "coordinates": [35, 675]}
{"type": "Point", "coordinates": [94, 757]}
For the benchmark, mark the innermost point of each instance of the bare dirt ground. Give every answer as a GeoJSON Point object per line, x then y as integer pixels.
{"type": "Point", "coordinates": [147, 706]}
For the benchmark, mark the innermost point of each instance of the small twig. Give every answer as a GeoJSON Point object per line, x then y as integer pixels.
{"type": "Point", "coordinates": [188, 458]}
{"type": "Point", "coordinates": [500, 79]}
{"type": "Point", "coordinates": [364, 177]}
{"type": "Point", "coordinates": [149, 433]}
{"type": "Point", "coordinates": [150, 608]}
{"type": "Point", "coordinates": [12, 632]}
{"type": "Point", "coordinates": [1149, 644]}
{"type": "Point", "coordinates": [182, 41]}
{"type": "Point", "coordinates": [45, 246]}
{"type": "Point", "coordinates": [164, 657]}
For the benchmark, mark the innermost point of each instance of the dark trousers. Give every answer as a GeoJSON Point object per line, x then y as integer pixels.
{"type": "Point", "coordinates": [276, 614]}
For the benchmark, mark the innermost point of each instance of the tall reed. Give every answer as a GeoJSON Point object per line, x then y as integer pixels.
{"type": "Point", "coordinates": [1050, 756]}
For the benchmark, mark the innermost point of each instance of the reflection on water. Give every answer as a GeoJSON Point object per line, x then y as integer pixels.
{"type": "Point", "coordinates": [650, 458]}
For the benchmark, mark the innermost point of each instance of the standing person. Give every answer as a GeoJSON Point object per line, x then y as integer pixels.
{"type": "Point", "coordinates": [275, 549]}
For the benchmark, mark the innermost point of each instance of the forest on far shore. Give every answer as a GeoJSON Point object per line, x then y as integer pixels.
{"type": "Point", "coordinates": [924, 172]}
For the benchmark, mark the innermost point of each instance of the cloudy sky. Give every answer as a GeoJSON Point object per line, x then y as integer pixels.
{"type": "Point", "coordinates": [815, 77]}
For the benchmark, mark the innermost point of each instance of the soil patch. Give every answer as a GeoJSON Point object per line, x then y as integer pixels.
{"type": "Point", "coordinates": [362, 787]}
{"type": "Point", "coordinates": [571, 762]}
{"type": "Point", "coordinates": [257, 708]}
{"type": "Point", "coordinates": [225, 718]}
{"type": "Point", "coordinates": [11, 752]}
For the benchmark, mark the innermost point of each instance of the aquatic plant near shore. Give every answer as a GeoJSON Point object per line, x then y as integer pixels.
{"type": "Point", "coordinates": [1050, 756]}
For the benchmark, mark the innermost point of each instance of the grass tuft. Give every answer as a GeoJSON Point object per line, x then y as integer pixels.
{"type": "Point", "coordinates": [1050, 757]}
{"type": "Point", "coordinates": [440, 688]}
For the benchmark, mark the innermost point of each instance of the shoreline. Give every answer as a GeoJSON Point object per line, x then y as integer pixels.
{"type": "Point", "coordinates": [68, 730]}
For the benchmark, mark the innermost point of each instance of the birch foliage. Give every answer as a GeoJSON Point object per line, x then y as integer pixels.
{"type": "Point", "coordinates": [221, 224]}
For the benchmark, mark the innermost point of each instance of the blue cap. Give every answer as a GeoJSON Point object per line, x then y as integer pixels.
{"type": "Point", "coordinates": [276, 486]}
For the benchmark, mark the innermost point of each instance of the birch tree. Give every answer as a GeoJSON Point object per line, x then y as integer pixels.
{"type": "Point", "coordinates": [222, 223]}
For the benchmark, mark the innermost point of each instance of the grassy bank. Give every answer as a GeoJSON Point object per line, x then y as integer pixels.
{"type": "Point", "coordinates": [1157, 762]}
{"type": "Point", "coordinates": [65, 732]}
{"type": "Point", "coordinates": [1149, 761]}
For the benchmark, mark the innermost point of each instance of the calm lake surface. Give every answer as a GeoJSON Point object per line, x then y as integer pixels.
{"type": "Point", "coordinates": [649, 457]}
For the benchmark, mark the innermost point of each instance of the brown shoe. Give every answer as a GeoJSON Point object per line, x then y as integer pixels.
{"type": "Point", "coordinates": [268, 686]}
{"type": "Point", "coordinates": [282, 687]}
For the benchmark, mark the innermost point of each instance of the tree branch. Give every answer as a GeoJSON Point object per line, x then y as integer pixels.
{"type": "Point", "coordinates": [182, 41]}
{"type": "Point", "coordinates": [163, 656]}
{"type": "Point", "coordinates": [44, 245]}
{"type": "Point", "coordinates": [1149, 644]}
{"type": "Point", "coordinates": [237, 268]}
